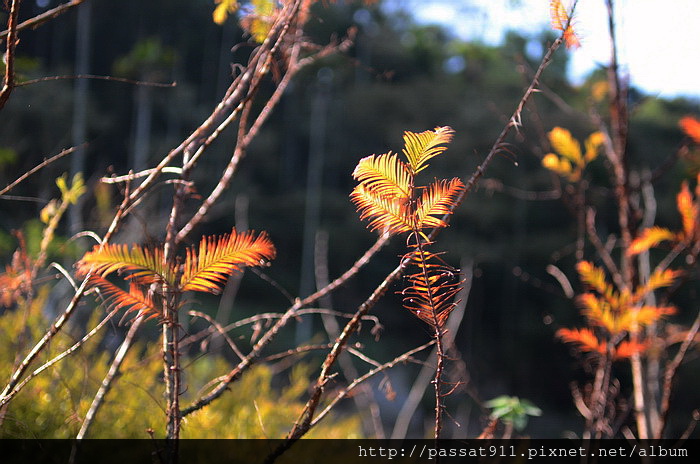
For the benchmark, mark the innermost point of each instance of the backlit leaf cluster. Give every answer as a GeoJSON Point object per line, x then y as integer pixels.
{"type": "Point", "coordinates": [206, 268]}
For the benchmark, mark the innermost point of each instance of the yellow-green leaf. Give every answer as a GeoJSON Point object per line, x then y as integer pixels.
{"type": "Point", "coordinates": [419, 148]}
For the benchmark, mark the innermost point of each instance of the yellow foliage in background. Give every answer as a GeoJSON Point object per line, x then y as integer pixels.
{"type": "Point", "coordinates": [569, 161]}
{"type": "Point", "coordinates": [52, 405]}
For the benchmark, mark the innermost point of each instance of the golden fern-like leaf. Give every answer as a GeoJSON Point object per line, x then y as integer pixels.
{"type": "Point", "coordinates": [384, 212]}
{"type": "Point", "coordinates": [647, 315]}
{"type": "Point", "coordinates": [146, 265]}
{"type": "Point", "coordinates": [687, 209]}
{"type": "Point", "coordinates": [561, 21]}
{"type": "Point", "coordinates": [649, 238]}
{"type": "Point", "coordinates": [207, 268]}
{"type": "Point", "coordinates": [593, 276]}
{"type": "Point", "coordinates": [421, 147]}
{"type": "Point", "coordinates": [385, 175]}
{"type": "Point", "coordinates": [658, 279]}
{"type": "Point", "coordinates": [136, 299]}
{"type": "Point", "coordinates": [598, 312]}
{"type": "Point", "coordinates": [438, 199]}
{"type": "Point", "coordinates": [430, 295]}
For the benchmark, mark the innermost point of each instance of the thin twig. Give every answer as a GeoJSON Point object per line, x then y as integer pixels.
{"type": "Point", "coordinates": [12, 388]}
{"type": "Point", "coordinates": [602, 251]}
{"type": "Point", "coordinates": [99, 78]}
{"type": "Point", "coordinates": [12, 41]}
{"type": "Point", "coordinates": [246, 137]}
{"type": "Point", "coordinates": [670, 371]}
{"type": "Point", "coordinates": [54, 360]}
{"type": "Point", "coordinates": [220, 331]}
{"type": "Point", "coordinates": [344, 393]}
{"type": "Point", "coordinates": [40, 19]}
{"type": "Point", "coordinates": [39, 166]}
{"type": "Point", "coordinates": [138, 175]}
{"type": "Point", "coordinates": [289, 314]}
{"type": "Point", "coordinates": [109, 378]}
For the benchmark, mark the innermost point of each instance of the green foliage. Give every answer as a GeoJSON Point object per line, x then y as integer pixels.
{"type": "Point", "coordinates": [512, 409]}
{"type": "Point", "coordinates": [7, 156]}
{"type": "Point", "coordinates": [54, 403]}
{"type": "Point", "coordinates": [254, 408]}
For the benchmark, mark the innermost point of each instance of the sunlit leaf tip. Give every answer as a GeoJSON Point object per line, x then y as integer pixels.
{"type": "Point", "coordinates": [561, 21]}
{"type": "Point", "coordinates": [421, 147]}
{"type": "Point", "coordinates": [207, 267]}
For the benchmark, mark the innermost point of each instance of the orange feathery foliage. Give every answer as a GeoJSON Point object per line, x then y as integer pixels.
{"type": "Point", "coordinates": [687, 209]}
{"type": "Point", "coordinates": [387, 195]}
{"type": "Point", "coordinates": [619, 311]}
{"type": "Point", "coordinates": [628, 348]}
{"type": "Point", "coordinates": [11, 283]}
{"type": "Point", "coordinates": [593, 276]}
{"type": "Point", "coordinates": [569, 161]}
{"type": "Point", "coordinates": [17, 276]}
{"type": "Point", "coordinates": [207, 268]}
{"type": "Point", "coordinates": [385, 175]}
{"type": "Point", "coordinates": [562, 22]}
{"type": "Point", "coordinates": [658, 279]}
{"type": "Point", "coordinates": [649, 238]}
{"type": "Point", "coordinates": [691, 127]}
{"type": "Point", "coordinates": [437, 200]}
{"type": "Point", "coordinates": [584, 338]}
{"type": "Point", "coordinates": [587, 341]}
{"type": "Point", "coordinates": [136, 299]}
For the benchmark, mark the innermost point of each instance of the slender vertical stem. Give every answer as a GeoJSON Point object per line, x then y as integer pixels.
{"type": "Point", "coordinates": [437, 380]}
{"type": "Point", "coordinates": [618, 114]}
{"type": "Point", "coordinates": [12, 41]}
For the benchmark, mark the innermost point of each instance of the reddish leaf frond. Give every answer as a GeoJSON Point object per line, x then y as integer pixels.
{"type": "Point", "coordinates": [207, 268]}
{"type": "Point", "coordinates": [585, 339]}
{"type": "Point", "coordinates": [691, 127]}
{"type": "Point", "coordinates": [628, 348]}
{"type": "Point", "coordinates": [431, 290]}
{"type": "Point", "coordinates": [136, 299]}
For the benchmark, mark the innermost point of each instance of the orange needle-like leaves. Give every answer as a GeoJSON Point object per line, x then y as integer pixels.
{"type": "Point", "coordinates": [207, 268]}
